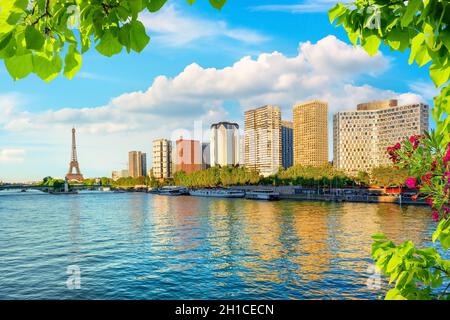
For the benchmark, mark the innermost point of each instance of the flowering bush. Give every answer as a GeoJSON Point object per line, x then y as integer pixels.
{"type": "Point", "coordinates": [420, 273]}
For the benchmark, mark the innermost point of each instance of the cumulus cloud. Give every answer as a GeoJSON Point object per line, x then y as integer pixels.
{"type": "Point", "coordinates": [324, 70]}
{"type": "Point", "coordinates": [169, 27]}
{"type": "Point", "coordinates": [12, 155]}
{"type": "Point", "coordinates": [329, 70]}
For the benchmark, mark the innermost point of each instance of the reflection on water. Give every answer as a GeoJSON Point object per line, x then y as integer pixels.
{"type": "Point", "coordinates": [140, 246]}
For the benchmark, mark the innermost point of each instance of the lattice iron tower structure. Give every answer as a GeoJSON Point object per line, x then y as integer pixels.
{"type": "Point", "coordinates": [74, 162]}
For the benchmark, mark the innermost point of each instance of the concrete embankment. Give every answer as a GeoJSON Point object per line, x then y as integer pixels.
{"type": "Point", "coordinates": [338, 195]}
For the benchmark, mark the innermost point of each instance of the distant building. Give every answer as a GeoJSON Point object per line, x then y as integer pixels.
{"type": "Point", "coordinates": [242, 150]}
{"type": "Point", "coordinates": [311, 133]}
{"type": "Point", "coordinates": [206, 156]}
{"type": "Point", "coordinates": [162, 159]}
{"type": "Point", "coordinates": [224, 144]}
{"type": "Point", "coordinates": [188, 156]}
{"type": "Point", "coordinates": [137, 164]}
{"type": "Point", "coordinates": [263, 139]}
{"type": "Point", "coordinates": [117, 174]}
{"type": "Point", "coordinates": [287, 144]}
{"type": "Point", "coordinates": [144, 164]}
{"type": "Point", "coordinates": [360, 137]}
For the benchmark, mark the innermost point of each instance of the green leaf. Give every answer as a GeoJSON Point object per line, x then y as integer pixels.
{"type": "Point", "coordinates": [135, 7]}
{"type": "Point", "coordinates": [47, 68]}
{"type": "Point", "coordinates": [371, 44]}
{"type": "Point", "coordinates": [218, 4]}
{"type": "Point", "coordinates": [72, 62]}
{"type": "Point", "coordinates": [439, 74]}
{"type": "Point", "coordinates": [5, 40]}
{"type": "Point", "coordinates": [109, 45]}
{"type": "Point", "coordinates": [138, 37]}
{"type": "Point", "coordinates": [19, 66]}
{"type": "Point", "coordinates": [336, 11]}
{"type": "Point", "coordinates": [34, 39]}
{"type": "Point", "coordinates": [155, 5]}
{"type": "Point", "coordinates": [416, 45]}
{"type": "Point", "coordinates": [394, 294]}
{"type": "Point", "coordinates": [411, 10]}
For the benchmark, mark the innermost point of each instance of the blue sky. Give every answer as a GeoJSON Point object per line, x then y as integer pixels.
{"type": "Point", "coordinates": [201, 65]}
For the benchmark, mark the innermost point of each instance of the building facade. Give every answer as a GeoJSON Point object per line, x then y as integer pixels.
{"type": "Point", "coordinates": [206, 155]}
{"type": "Point", "coordinates": [360, 137]}
{"type": "Point", "coordinates": [162, 159]}
{"type": "Point", "coordinates": [188, 156]}
{"type": "Point", "coordinates": [137, 164]}
{"type": "Point", "coordinates": [263, 140]}
{"type": "Point", "coordinates": [287, 144]}
{"type": "Point", "coordinates": [224, 144]}
{"type": "Point", "coordinates": [310, 127]}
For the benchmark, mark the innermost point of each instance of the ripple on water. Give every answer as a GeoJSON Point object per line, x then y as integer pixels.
{"type": "Point", "coordinates": [140, 246]}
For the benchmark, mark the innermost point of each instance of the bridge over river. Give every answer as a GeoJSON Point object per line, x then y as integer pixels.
{"type": "Point", "coordinates": [46, 188]}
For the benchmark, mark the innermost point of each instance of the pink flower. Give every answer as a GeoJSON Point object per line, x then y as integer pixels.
{"type": "Point", "coordinates": [429, 201]}
{"type": "Point", "coordinates": [397, 146]}
{"type": "Point", "coordinates": [426, 178]}
{"type": "Point", "coordinates": [435, 216]}
{"type": "Point", "coordinates": [411, 183]}
{"type": "Point", "coordinates": [446, 158]}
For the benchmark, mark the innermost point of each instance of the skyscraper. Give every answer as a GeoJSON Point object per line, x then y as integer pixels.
{"type": "Point", "coordinates": [360, 137]}
{"type": "Point", "coordinates": [188, 156]}
{"type": "Point", "coordinates": [137, 165]}
{"type": "Point", "coordinates": [287, 144]}
{"type": "Point", "coordinates": [311, 133]}
{"type": "Point", "coordinates": [263, 139]}
{"type": "Point", "coordinates": [162, 159]}
{"type": "Point", "coordinates": [206, 156]}
{"type": "Point", "coordinates": [224, 144]}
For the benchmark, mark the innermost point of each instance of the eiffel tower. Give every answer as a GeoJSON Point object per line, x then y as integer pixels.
{"type": "Point", "coordinates": [74, 162]}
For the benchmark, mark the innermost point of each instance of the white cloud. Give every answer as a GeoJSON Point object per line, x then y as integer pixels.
{"type": "Point", "coordinates": [309, 6]}
{"type": "Point", "coordinates": [326, 70]}
{"type": "Point", "coordinates": [172, 28]}
{"type": "Point", "coordinates": [427, 89]}
{"type": "Point", "coordinates": [330, 70]}
{"type": "Point", "coordinates": [12, 155]}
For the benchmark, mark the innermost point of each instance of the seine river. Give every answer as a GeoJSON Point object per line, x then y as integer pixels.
{"type": "Point", "coordinates": [142, 246]}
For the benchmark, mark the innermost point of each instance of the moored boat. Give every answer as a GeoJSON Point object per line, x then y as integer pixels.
{"type": "Point", "coordinates": [173, 191]}
{"type": "Point", "coordinates": [262, 195]}
{"type": "Point", "coordinates": [218, 193]}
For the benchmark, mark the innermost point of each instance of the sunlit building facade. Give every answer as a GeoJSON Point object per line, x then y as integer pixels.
{"type": "Point", "coordinates": [310, 127]}
{"type": "Point", "coordinates": [162, 159]}
{"type": "Point", "coordinates": [360, 137]}
{"type": "Point", "coordinates": [224, 144]}
{"type": "Point", "coordinates": [263, 140]}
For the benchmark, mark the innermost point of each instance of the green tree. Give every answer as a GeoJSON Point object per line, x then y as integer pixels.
{"type": "Point", "coordinates": [46, 37]}
{"type": "Point", "coordinates": [423, 27]}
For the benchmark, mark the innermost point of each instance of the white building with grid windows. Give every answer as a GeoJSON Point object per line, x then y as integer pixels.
{"type": "Point", "coordinates": [361, 137]}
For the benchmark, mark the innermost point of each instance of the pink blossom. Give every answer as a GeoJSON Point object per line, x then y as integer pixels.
{"type": "Point", "coordinates": [435, 216]}
{"type": "Point", "coordinates": [411, 183]}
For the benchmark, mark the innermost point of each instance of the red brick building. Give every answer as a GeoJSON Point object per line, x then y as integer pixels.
{"type": "Point", "coordinates": [188, 156]}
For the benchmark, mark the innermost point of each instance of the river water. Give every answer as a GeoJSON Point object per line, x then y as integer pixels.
{"type": "Point", "coordinates": [104, 245]}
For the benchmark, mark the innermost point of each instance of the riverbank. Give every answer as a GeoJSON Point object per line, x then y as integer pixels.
{"type": "Point", "coordinates": [298, 193]}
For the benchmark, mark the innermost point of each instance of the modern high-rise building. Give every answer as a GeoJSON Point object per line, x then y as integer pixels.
{"type": "Point", "coordinates": [224, 144]}
{"type": "Point", "coordinates": [144, 164]}
{"type": "Point", "coordinates": [263, 139]}
{"type": "Point", "coordinates": [162, 159]}
{"type": "Point", "coordinates": [242, 150]}
{"type": "Point", "coordinates": [137, 164]}
{"type": "Point", "coordinates": [311, 133]}
{"type": "Point", "coordinates": [206, 156]}
{"type": "Point", "coordinates": [361, 137]}
{"type": "Point", "coordinates": [287, 144]}
{"type": "Point", "coordinates": [188, 156]}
